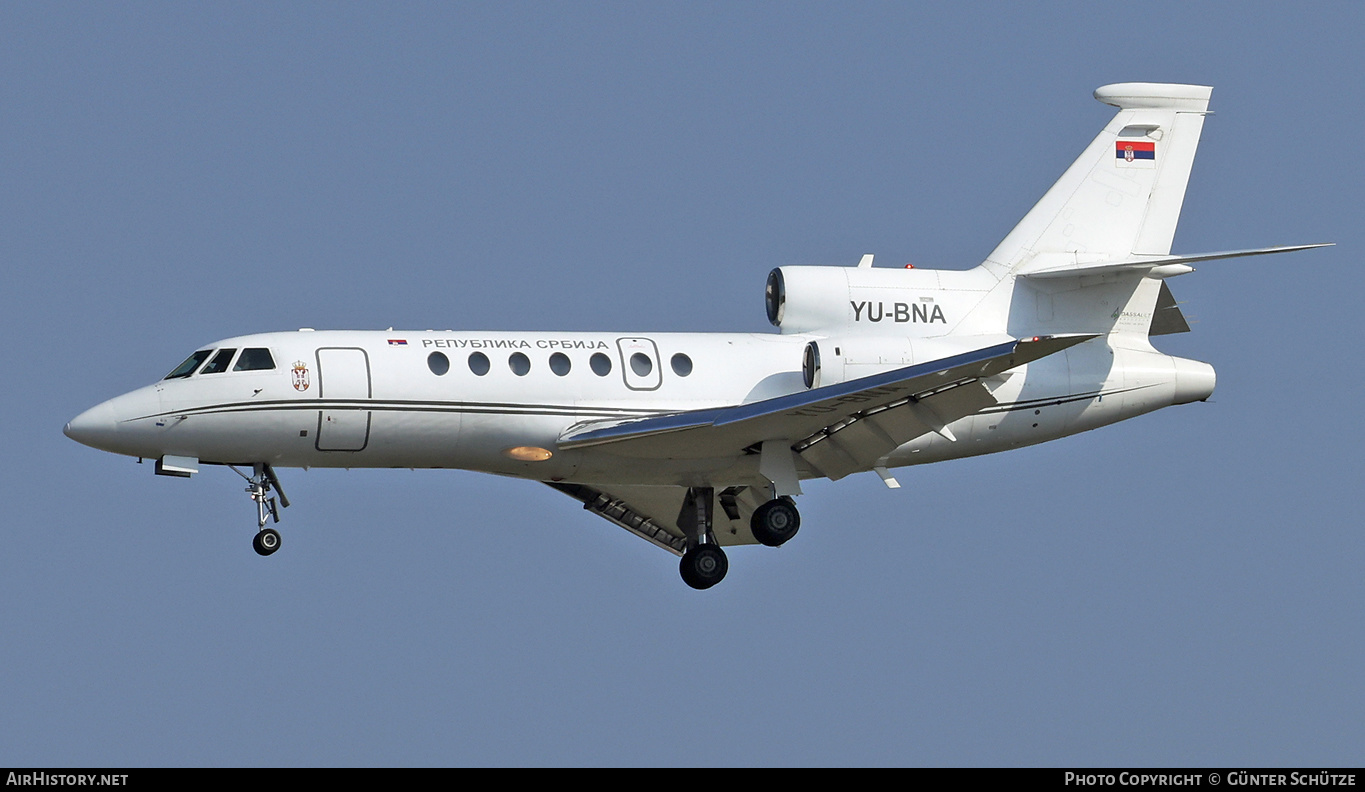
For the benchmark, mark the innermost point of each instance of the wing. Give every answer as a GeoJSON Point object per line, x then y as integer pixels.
{"type": "Point", "coordinates": [651, 513]}
{"type": "Point", "coordinates": [837, 429]}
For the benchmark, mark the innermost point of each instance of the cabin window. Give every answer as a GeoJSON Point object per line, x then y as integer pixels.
{"type": "Point", "coordinates": [641, 364]}
{"type": "Point", "coordinates": [520, 364]}
{"type": "Point", "coordinates": [682, 364]}
{"type": "Point", "coordinates": [220, 362]}
{"type": "Point", "coordinates": [560, 364]}
{"type": "Point", "coordinates": [191, 363]}
{"type": "Point", "coordinates": [599, 363]}
{"type": "Point", "coordinates": [255, 359]}
{"type": "Point", "coordinates": [438, 363]}
{"type": "Point", "coordinates": [478, 363]}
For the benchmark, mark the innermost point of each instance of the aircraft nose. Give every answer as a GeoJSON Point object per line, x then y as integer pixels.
{"type": "Point", "coordinates": [96, 427]}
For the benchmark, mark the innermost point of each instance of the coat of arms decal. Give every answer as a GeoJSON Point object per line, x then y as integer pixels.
{"type": "Point", "coordinates": [300, 375]}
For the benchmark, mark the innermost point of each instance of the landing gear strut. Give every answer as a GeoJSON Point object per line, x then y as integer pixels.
{"type": "Point", "coordinates": [259, 484]}
{"type": "Point", "coordinates": [704, 564]}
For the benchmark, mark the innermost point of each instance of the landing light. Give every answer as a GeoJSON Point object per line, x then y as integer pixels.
{"type": "Point", "coordinates": [528, 453]}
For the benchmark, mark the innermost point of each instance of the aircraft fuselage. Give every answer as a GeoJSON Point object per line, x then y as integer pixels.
{"type": "Point", "coordinates": [468, 400]}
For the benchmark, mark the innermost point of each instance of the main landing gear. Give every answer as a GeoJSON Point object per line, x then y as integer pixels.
{"type": "Point", "coordinates": [704, 564]}
{"type": "Point", "coordinates": [259, 484]}
{"type": "Point", "coordinates": [775, 522]}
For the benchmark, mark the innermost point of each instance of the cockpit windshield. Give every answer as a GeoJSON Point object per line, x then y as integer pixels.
{"type": "Point", "coordinates": [191, 363]}
{"type": "Point", "coordinates": [220, 362]}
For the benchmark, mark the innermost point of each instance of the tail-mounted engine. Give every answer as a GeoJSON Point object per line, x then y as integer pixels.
{"type": "Point", "coordinates": [872, 320]}
{"type": "Point", "coordinates": [857, 300]}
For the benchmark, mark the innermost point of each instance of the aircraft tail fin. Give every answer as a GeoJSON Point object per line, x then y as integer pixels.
{"type": "Point", "coordinates": [1122, 197]}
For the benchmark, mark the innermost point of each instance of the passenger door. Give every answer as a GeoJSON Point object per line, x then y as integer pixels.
{"type": "Point", "coordinates": [344, 390]}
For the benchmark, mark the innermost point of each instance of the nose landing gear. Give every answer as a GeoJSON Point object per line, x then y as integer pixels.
{"type": "Point", "coordinates": [259, 484]}
{"type": "Point", "coordinates": [266, 541]}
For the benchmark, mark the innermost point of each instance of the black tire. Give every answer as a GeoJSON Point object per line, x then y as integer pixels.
{"type": "Point", "coordinates": [704, 566]}
{"type": "Point", "coordinates": [266, 541]}
{"type": "Point", "coordinates": [775, 522]}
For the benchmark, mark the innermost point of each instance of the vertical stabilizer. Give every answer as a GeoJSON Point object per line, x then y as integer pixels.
{"type": "Point", "coordinates": [1122, 196]}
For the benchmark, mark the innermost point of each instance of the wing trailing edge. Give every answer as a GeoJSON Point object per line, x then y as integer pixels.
{"type": "Point", "coordinates": [905, 402]}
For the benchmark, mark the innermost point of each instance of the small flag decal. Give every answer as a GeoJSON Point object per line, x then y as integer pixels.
{"type": "Point", "coordinates": [1130, 150]}
{"type": "Point", "coordinates": [398, 342]}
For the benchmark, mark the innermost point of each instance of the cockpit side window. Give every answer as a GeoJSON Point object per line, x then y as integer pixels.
{"type": "Point", "coordinates": [254, 359]}
{"type": "Point", "coordinates": [191, 363]}
{"type": "Point", "coordinates": [220, 362]}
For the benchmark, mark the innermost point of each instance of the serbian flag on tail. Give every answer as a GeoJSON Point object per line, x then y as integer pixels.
{"type": "Point", "coordinates": [1135, 151]}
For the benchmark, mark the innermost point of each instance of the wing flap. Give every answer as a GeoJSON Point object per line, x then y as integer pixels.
{"type": "Point", "coordinates": [807, 417]}
{"type": "Point", "coordinates": [858, 445]}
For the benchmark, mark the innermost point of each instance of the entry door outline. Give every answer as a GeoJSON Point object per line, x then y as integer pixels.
{"type": "Point", "coordinates": [343, 428]}
{"type": "Point", "coordinates": [635, 381]}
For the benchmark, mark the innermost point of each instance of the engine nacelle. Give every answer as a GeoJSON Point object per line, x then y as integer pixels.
{"type": "Point", "coordinates": [830, 361]}
{"type": "Point", "coordinates": [911, 302]}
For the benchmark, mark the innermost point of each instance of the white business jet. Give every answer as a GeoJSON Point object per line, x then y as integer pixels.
{"type": "Point", "coordinates": [700, 441]}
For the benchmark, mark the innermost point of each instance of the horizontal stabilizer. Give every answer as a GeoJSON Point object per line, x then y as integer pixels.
{"type": "Point", "coordinates": [1150, 262]}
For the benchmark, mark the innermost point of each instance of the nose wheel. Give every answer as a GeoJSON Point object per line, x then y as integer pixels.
{"type": "Point", "coordinates": [266, 541]}
{"type": "Point", "coordinates": [259, 483]}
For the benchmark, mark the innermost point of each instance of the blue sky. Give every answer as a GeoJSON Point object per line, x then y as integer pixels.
{"type": "Point", "coordinates": [1181, 589]}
